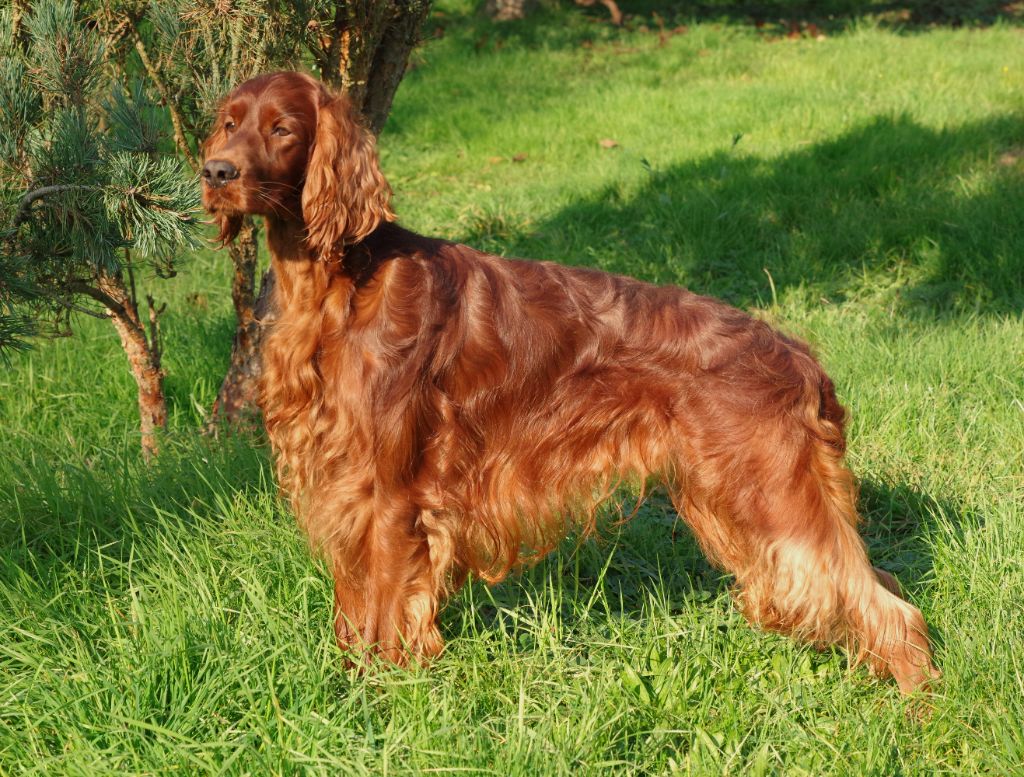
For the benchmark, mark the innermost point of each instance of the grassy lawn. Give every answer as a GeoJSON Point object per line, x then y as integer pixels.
{"type": "Point", "coordinates": [864, 190]}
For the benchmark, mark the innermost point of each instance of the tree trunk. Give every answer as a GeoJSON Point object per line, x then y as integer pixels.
{"type": "Point", "coordinates": [365, 51]}
{"type": "Point", "coordinates": [368, 51]}
{"type": "Point", "coordinates": [143, 356]}
{"type": "Point", "coordinates": [611, 5]}
{"type": "Point", "coordinates": [509, 10]}
{"type": "Point", "coordinates": [236, 400]}
{"type": "Point", "coordinates": [390, 59]}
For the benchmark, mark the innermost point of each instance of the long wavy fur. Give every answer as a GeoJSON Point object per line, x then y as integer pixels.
{"type": "Point", "coordinates": [345, 196]}
{"type": "Point", "coordinates": [438, 412]}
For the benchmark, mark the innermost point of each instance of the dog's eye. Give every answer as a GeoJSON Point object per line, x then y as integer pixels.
{"type": "Point", "coordinates": [229, 126]}
{"type": "Point", "coordinates": [280, 131]}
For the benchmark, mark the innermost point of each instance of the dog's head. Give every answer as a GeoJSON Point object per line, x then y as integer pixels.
{"type": "Point", "coordinates": [286, 147]}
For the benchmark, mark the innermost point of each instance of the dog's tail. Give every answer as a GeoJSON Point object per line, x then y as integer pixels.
{"type": "Point", "coordinates": [831, 415]}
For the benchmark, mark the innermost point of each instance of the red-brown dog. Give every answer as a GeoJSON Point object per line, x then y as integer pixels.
{"type": "Point", "coordinates": [436, 411]}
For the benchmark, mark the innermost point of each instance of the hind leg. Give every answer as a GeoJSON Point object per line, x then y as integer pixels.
{"type": "Point", "coordinates": [782, 518]}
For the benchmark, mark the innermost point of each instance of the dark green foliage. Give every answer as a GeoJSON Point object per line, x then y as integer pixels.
{"type": "Point", "coordinates": [192, 52]}
{"type": "Point", "coordinates": [135, 125]}
{"type": "Point", "coordinates": [80, 177]}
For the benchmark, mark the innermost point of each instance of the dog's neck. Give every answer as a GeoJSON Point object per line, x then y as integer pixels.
{"type": "Point", "coordinates": [286, 240]}
{"type": "Point", "coordinates": [291, 256]}
{"type": "Point", "coordinates": [301, 278]}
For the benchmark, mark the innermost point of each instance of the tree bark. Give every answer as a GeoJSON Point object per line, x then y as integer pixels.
{"type": "Point", "coordinates": [390, 59]}
{"type": "Point", "coordinates": [143, 355]}
{"type": "Point", "coordinates": [236, 400]}
{"type": "Point", "coordinates": [509, 10]}
{"type": "Point", "coordinates": [365, 51]}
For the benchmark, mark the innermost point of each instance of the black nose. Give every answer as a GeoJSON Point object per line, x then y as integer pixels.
{"type": "Point", "coordinates": [218, 172]}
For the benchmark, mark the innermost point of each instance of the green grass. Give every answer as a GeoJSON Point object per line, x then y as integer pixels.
{"type": "Point", "coordinates": [864, 191]}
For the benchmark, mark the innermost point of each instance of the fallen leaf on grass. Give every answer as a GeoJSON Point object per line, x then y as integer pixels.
{"type": "Point", "coordinates": [608, 143]}
{"type": "Point", "coordinates": [1010, 158]}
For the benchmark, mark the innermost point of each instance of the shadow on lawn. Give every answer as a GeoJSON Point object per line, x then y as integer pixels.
{"type": "Point", "coordinates": [931, 216]}
{"type": "Point", "coordinates": [773, 19]}
{"type": "Point", "coordinates": [655, 558]}
{"type": "Point", "coordinates": [67, 509]}
{"type": "Point", "coordinates": [831, 16]}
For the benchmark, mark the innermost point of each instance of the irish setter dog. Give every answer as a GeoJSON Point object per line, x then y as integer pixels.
{"type": "Point", "coordinates": [437, 412]}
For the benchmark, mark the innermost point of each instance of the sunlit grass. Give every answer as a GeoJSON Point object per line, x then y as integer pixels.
{"type": "Point", "coordinates": [863, 191]}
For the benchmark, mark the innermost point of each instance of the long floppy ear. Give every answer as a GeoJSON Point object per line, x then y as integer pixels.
{"type": "Point", "coordinates": [345, 196]}
{"type": "Point", "coordinates": [228, 225]}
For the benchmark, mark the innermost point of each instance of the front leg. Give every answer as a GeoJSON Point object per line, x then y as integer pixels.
{"type": "Point", "coordinates": [386, 592]}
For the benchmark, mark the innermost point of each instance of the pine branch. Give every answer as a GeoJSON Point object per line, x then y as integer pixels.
{"type": "Point", "coordinates": [131, 276]}
{"type": "Point", "coordinates": [25, 206]}
{"type": "Point", "coordinates": [176, 121]}
{"type": "Point", "coordinates": [156, 346]}
{"type": "Point", "coordinates": [19, 35]}
{"type": "Point", "coordinates": [80, 309]}
{"type": "Point", "coordinates": [116, 308]}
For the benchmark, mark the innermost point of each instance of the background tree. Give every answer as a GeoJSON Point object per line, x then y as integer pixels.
{"type": "Point", "coordinates": [363, 47]}
{"type": "Point", "coordinates": [87, 201]}
{"type": "Point", "coordinates": [509, 10]}
{"type": "Point", "coordinates": [193, 52]}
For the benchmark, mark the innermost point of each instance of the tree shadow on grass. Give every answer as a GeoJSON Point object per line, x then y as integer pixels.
{"type": "Point", "coordinates": [832, 16]}
{"type": "Point", "coordinates": [574, 27]}
{"type": "Point", "coordinates": [202, 351]}
{"type": "Point", "coordinates": [653, 561]}
{"type": "Point", "coordinates": [929, 218]}
{"type": "Point", "coordinates": [63, 507]}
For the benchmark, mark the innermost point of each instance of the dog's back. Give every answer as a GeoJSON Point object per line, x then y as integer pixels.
{"type": "Point", "coordinates": [531, 388]}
